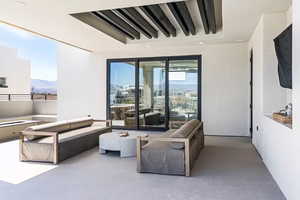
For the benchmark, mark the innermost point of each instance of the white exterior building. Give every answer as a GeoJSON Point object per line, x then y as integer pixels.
{"type": "Point", "coordinates": [14, 72]}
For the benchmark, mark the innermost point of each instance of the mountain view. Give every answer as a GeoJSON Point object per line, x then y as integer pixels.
{"type": "Point", "coordinates": [43, 86]}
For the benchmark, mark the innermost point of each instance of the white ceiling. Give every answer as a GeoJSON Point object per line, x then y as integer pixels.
{"type": "Point", "coordinates": [51, 18]}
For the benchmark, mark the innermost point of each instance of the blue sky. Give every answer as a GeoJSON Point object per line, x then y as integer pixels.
{"type": "Point", "coordinates": [41, 52]}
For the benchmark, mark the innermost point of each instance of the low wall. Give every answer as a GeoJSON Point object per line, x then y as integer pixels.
{"type": "Point", "coordinates": [10, 109]}
{"type": "Point", "coordinates": [45, 107]}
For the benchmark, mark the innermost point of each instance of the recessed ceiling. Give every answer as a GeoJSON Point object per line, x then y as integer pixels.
{"type": "Point", "coordinates": [156, 20]}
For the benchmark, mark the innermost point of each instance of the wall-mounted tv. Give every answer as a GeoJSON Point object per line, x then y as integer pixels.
{"type": "Point", "coordinates": [283, 48]}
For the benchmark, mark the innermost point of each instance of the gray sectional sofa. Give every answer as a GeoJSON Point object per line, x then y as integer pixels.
{"type": "Point", "coordinates": [174, 153]}
{"type": "Point", "coordinates": [57, 141]}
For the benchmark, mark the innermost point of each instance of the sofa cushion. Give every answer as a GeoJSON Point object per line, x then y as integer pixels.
{"type": "Point", "coordinates": [61, 126]}
{"type": "Point", "coordinates": [69, 135]}
{"type": "Point", "coordinates": [49, 127]}
{"type": "Point", "coordinates": [183, 132]}
{"type": "Point", "coordinates": [80, 122]}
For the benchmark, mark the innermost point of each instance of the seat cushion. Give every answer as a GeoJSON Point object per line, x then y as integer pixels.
{"type": "Point", "coordinates": [69, 135]}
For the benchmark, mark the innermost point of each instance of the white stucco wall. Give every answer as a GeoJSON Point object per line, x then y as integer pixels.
{"type": "Point", "coordinates": [274, 96]}
{"type": "Point", "coordinates": [16, 70]}
{"type": "Point", "coordinates": [225, 79]}
{"type": "Point", "coordinates": [294, 167]}
{"type": "Point", "coordinates": [44, 107]}
{"type": "Point", "coordinates": [277, 144]}
{"type": "Point", "coordinates": [10, 109]}
{"type": "Point", "coordinates": [81, 84]}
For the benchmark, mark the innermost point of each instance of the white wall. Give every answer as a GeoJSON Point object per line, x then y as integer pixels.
{"type": "Point", "coordinates": [289, 17]}
{"type": "Point", "coordinates": [268, 96]}
{"type": "Point", "coordinates": [82, 84]}
{"type": "Point", "coordinates": [274, 96]}
{"type": "Point", "coordinates": [277, 144]}
{"type": "Point", "coordinates": [15, 108]}
{"type": "Point", "coordinates": [225, 90]}
{"type": "Point", "coordinates": [16, 70]}
{"type": "Point", "coordinates": [294, 166]}
{"type": "Point", "coordinates": [45, 107]}
{"type": "Point", "coordinates": [9, 109]}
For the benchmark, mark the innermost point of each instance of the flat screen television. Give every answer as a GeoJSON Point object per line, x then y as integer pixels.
{"type": "Point", "coordinates": [283, 48]}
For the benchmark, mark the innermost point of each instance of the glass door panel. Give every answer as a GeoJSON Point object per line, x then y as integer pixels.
{"type": "Point", "coordinates": [152, 94]}
{"type": "Point", "coordinates": [183, 90]}
{"type": "Point", "coordinates": [122, 94]}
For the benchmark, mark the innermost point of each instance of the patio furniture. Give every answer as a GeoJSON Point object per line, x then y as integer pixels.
{"type": "Point", "coordinates": [120, 110]}
{"type": "Point", "coordinates": [114, 142]}
{"type": "Point", "coordinates": [174, 153]}
{"type": "Point", "coordinates": [146, 117]}
{"type": "Point", "coordinates": [55, 142]}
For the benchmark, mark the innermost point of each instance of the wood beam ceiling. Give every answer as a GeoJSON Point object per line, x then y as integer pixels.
{"type": "Point", "coordinates": [149, 20]}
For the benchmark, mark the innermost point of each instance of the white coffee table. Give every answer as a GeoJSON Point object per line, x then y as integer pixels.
{"type": "Point", "coordinates": [113, 142]}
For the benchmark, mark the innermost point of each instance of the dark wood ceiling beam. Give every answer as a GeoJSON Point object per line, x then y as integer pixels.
{"type": "Point", "coordinates": [174, 10]}
{"type": "Point", "coordinates": [211, 15]}
{"type": "Point", "coordinates": [132, 22]}
{"type": "Point", "coordinates": [185, 13]}
{"type": "Point", "coordinates": [202, 10]}
{"type": "Point", "coordinates": [101, 25]}
{"type": "Point", "coordinates": [153, 18]}
{"type": "Point", "coordinates": [164, 20]}
{"type": "Point", "coordinates": [112, 25]}
{"type": "Point", "coordinates": [115, 19]}
{"type": "Point", "coordinates": [138, 18]}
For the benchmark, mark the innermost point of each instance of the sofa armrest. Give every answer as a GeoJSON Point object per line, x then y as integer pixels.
{"type": "Point", "coordinates": [163, 139]}
{"type": "Point", "coordinates": [38, 133]}
{"type": "Point", "coordinates": [186, 142]}
{"type": "Point", "coordinates": [108, 122]}
{"type": "Point", "coordinates": [41, 133]}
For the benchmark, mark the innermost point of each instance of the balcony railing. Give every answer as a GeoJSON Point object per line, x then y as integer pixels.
{"type": "Point", "coordinates": [27, 97]}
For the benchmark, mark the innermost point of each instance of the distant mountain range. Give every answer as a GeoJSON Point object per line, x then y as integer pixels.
{"type": "Point", "coordinates": [43, 86]}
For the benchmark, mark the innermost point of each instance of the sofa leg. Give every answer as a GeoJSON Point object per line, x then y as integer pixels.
{"type": "Point", "coordinates": [21, 148]}
{"type": "Point", "coordinates": [55, 149]}
{"type": "Point", "coordinates": [187, 158]}
{"type": "Point", "coordinates": [138, 154]}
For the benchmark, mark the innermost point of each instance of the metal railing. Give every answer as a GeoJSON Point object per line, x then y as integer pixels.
{"type": "Point", "coordinates": [27, 97]}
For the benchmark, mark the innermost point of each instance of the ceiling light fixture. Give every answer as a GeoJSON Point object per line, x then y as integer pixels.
{"type": "Point", "coordinates": [23, 3]}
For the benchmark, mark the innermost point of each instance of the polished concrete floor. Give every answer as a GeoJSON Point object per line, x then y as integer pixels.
{"type": "Point", "coordinates": [227, 169]}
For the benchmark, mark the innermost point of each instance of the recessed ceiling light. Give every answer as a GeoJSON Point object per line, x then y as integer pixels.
{"type": "Point", "coordinates": [23, 3]}
{"type": "Point", "coordinates": [201, 43]}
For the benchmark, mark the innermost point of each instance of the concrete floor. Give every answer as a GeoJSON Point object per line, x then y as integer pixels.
{"type": "Point", "coordinates": [227, 169]}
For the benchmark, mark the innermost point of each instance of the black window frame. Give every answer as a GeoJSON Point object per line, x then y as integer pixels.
{"type": "Point", "coordinates": [167, 59]}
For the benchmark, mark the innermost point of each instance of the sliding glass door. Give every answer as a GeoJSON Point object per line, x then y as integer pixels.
{"type": "Point", "coordinates": [122, 94]}
{"type": "Point", "coordinates": [183, 90]}
{"type": "Point", "coordinates": [152, 98]}
{"type": "Point", "coordinates": [148, 93]}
